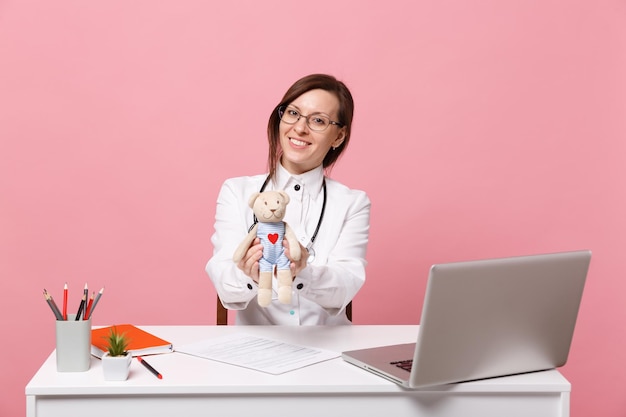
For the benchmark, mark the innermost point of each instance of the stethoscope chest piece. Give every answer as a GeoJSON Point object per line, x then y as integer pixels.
{"type": "Point", "coordinates": [311, 257]}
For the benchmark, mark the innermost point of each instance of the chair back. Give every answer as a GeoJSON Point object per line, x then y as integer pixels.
{"type": "Point", "coordinates": [222, 313]}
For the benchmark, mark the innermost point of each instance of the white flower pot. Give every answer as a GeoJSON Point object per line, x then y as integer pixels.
{"type": "Point", "coordinates": [116, 368]}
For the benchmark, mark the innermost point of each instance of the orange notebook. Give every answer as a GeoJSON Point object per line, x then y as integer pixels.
{"type": "Point", "coordinates": [140, 342]}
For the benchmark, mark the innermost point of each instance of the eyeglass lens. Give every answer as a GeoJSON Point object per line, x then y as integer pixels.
{"type": "Point", "coordinates": [316, 122]}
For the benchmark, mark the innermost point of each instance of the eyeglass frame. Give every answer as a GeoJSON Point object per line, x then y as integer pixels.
{"type": "Point", "coordinates": [281, 111]}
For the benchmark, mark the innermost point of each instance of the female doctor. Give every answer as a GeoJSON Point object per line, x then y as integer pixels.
{"type": "Point", "coordinates": [307, 132]}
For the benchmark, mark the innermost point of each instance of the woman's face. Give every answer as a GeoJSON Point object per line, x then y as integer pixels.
{"type": "Point", "coordinates": [304, 149]}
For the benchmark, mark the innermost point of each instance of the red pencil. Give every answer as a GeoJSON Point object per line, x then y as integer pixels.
{"type": "Point", "coordinates": [95, 302]}
{"type": "Point", "coordinates": [150, 368]}
{"type": "Point", "coordinates": [65, 302]}
{"type": "Point", "coordinates": [88, 309]}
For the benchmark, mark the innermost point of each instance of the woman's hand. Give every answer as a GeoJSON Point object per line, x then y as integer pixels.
{"type": "Point", "coordinates": [299, 265]}
{"type": "Point", "coordinates": [249, 264]}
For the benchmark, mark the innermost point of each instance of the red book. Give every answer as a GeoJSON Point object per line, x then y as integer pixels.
{"type": "Point", "coordinates": [140, 342]}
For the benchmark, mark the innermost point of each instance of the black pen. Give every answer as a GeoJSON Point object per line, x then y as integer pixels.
{"type": "Point", "coordinates": [82, 306]}
{"type": "Point", "coordinates": [150, 368]}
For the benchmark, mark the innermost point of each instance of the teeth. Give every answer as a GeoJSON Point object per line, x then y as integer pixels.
{"type": "Point", "coordinates": [297, 142]}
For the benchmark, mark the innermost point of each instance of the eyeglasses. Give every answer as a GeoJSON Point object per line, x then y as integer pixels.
{"type": "Point", "coordinates": [316, 121]}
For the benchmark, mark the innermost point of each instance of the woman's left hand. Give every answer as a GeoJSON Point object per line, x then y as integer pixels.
{"type": "Point", "coordinates": [299, 265]}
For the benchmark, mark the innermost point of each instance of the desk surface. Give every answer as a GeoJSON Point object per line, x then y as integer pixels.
{"type": "Point", "coordinates": [189, 375]}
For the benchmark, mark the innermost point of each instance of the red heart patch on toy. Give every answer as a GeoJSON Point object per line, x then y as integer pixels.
{"type": "Point", "coordinates": [273, 237]}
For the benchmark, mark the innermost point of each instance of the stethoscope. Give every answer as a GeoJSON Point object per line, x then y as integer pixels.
{"type": "Point", "coordinates": [309, 247]}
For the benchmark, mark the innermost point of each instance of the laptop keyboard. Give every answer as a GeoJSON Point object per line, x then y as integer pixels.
{"type": "Point", "coordinates": [405, 364]}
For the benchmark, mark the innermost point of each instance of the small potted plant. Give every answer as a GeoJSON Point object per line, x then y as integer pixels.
{"type": "Point", "coordinates": [116, 360]}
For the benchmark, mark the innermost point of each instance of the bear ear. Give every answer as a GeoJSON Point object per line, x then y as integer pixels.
{"type": "Point", "coordinates": [252, 199]}
{"type": "Point", "coordinates": [284, 195]}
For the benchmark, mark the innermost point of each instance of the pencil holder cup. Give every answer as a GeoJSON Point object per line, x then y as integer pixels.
{"type": "Point", "coordinates": [73, 344]}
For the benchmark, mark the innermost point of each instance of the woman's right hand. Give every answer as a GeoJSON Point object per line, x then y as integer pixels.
{"type": "Point", "coordinates": [249, 264]}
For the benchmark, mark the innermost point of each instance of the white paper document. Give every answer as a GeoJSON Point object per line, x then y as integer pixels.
{"type": "Point", "coordinates": [265, 355]}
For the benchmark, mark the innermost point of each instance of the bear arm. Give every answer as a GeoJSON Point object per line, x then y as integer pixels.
{"type": "Point", "coordinates": [294, 246]}
{"type": "Point", "coordinates": [245, 244]}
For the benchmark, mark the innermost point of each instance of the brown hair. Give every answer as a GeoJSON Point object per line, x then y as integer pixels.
{"type": "Point", "coordinates": [308, 83]}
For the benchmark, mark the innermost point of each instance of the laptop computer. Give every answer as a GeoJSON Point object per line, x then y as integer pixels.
{"type": "Point", "coordinates": [487, 318]}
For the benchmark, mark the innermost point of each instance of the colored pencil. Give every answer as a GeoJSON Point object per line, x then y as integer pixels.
{"type": "Point", "coordinates": [52, 305]}
{"type": "Point", "coordinates": [95, 302]}
{"type": "Point", "coordinates": [65, 302]}
{"type": "Point", "coordinates": [150, 368]}
{"type": "Point", "coordinates": [88, 308]}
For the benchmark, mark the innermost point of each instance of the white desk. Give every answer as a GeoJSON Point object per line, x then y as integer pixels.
{"type": "Point", "coordinates": [194, 386]}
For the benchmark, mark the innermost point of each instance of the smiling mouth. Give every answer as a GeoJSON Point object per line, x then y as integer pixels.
{"type": "Point", "coordinates": [298, 142]}
{"type": "Point", "coordinates": [272, 215]}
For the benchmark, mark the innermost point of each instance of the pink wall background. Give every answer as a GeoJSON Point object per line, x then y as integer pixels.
{"type": "Point", "coordinates": [483, 129]}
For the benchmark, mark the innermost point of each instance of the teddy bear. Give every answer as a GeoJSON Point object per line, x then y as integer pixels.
{"type": "Point", "coordinates": [269, 209]}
